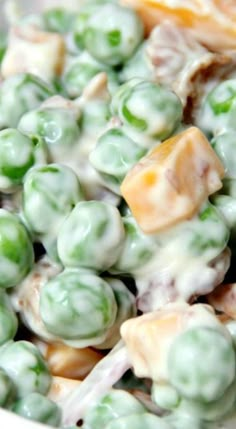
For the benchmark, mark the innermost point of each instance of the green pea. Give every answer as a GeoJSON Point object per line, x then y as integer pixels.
{"type": "Point", "coordinates": [81, 70]}
{"type": "Point", "coordinates": [165, 396]}
{"type": "Point", "coordinates": [112, 34]}
{"type": "Point", "coordinates": [87, 9]}
{"type": "Point", "coordinates": [225, 146]}
{"type": "Point", "coordinates": [115, 404]}
{"type": "Point", "coordinates": [95, 116]}
{"type": "Point", "coordinates": [57, 126]}
{"type": "Point", "coordinates": [17, 154]}
{"type": "Point", "coordinates": [78, 306]}
{"type": "Point", "coordinates": [138, 421]}
{"type": "Point", "coordinates": [8, 319]}
{"type": "Point", "coordinates": [177, 420]}
{"type": "Point", "coordinates": [7, 390]}
{"type": "Point", "coordinates": [19, 94]}
{"type": "Point", "coordinates": [221, 98]}
{"type": "Point", "coordinates": [114, 155]}
{"type": "Point", "coordinates": [91, 236]}
{"type": "Point", "coordinates": [79, 73]}
{"type": "Point", "coordinates": [49, 194]}
{"type": "Point", "coordinates": [204, 236]}
{"type": "Point", "coordinates": [122, 92]}
{"type": "Point", "coordinates": [210, 365]}
{"type": "Point", "coordinates": [16, 250]}
{"type": "Point", "coordinates": [147, 110]}
{"type": "Point", "coordinates": [211, 411]}
{"type": "Point", "coordinates": [126, 309]}
{"type": "Point", "coordinates": [58, 20]}
{"type": "Point", "coordinates": [81, 21]}
{"type": "Point", "coordinates": [23, 363]}
{"type": "Point", "coordinates": [218, 111]}
{"type": "Point", "coordinates": [208, 233]}
{"type": "Point", "coordinates": [227, 207]}
{"type": "Point", "coordinates": [138, 248]}
{"type": "Point", "coordinates": [39, 408]}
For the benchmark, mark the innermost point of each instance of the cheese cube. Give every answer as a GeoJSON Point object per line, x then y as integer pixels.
{"type": "Point", "coordinates": [170, 184]}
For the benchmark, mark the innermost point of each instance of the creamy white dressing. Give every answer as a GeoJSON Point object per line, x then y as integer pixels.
{"type": "Point", "coordinates": [168, 277]}
{"type": "Point", "coordinates": [77, 157]}
{"type": "Point", "coordinates": [25, 297]}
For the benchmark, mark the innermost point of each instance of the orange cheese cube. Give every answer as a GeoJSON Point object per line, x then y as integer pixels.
{"type": "Point", "coordinates": [68, 362]}
{"type": "Point", "coordinates": [213, 22]}
{"type": "Point", "coordinates": [149, 337]}
{"type": "Point", "coordinates": [170, 184]}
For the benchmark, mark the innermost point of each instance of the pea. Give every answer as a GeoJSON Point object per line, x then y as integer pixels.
{"type": "Point", "coordinates": [23, 363]}
{"type": "Point", "coordinates": [19, 94]}
{"type": "Point", "coordinates": [78, 306]}
{"type": "Point", "coordinates": [91, 236]}
{"type": "Point", "coordinates": [112, 34]}
{"type": "Point", "coordinates": [39, 408]}
{"type": "Point", "coordinates": [211, 364]}
{"type": "Point", "coordinates": [16, 250]}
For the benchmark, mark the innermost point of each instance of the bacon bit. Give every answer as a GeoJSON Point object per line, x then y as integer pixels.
{"type": "Point", "coordinates": [211, 22]}
{"type": "Point", "coordinates": [223, 298]}
{"type": "Point", "coordinates": [180, 62]}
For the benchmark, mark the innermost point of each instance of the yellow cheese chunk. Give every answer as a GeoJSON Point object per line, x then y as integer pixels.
{"type": "Point", "coordinates": [170, 184]}
{"type": "Point", "coordinates": [212, 22]}
{"type": "Point", "coordinates": [34, 51]}
{"type": "Point", "coordinates": [149, 337]}
{"type": "Point", "coordinates": [68, 362]}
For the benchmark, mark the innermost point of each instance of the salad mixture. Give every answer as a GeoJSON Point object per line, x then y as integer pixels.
{"type": "Point", "coordinates": [118, 214]}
